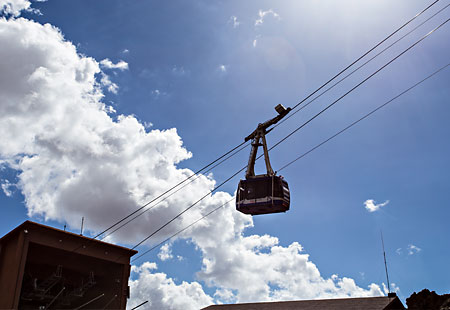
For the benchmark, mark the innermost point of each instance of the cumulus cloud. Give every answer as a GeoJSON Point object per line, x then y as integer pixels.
{"type": "Point", "coordinates": [108, 64]}
{"type": "Point", "coordinates": [257, 268]}
{"type": "Point", "coordinates": [14, 7]}
{"type": "Point", "coordinates": [108, 84]}
{"type": "Point", "coordinates": [372, 206]}
{"type": "Point", "coordinates": [70, 155]}
{"type": "Point", "coordinates": [163, 293]}
{"type": "Point", "coordinates": [393, 287]}
{"type": "Point", "coordinates": [165, 252]}
{"type": "Point", "coordinates": [72, 159]}
{"type": "Point", "coordinates": [223, 68]}
{"type": "Point", "coordinates": [7, 187]}
{"type": "Point", "coordinates": [264, 14]}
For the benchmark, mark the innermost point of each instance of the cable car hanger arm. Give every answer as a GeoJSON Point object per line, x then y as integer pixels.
{"type": "Point", "coordinates": [282, 112]}
{"type": "Point", "coordinates": [259, 134]}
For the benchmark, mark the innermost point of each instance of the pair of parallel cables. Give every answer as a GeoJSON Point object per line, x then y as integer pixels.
{"type": "Point", "coordinates": [171, 191]}
{"type": "Point", "coordinates": [289, 163]}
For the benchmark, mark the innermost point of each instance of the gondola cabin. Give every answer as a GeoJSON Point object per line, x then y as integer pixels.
{"type": "Point", "coordinates": [263, 195]}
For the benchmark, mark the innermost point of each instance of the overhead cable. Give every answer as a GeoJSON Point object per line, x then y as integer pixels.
{"type": "Point", "coordinates": [364, 117]}
{"type": "Point", "coordinates": [359, 84]}
{"type": "Point", "coordinates": [365, 63]}
{"type": "Point", "coordinates": [182, 230]}
{"type": "Point", "coordinates": [301, 156]}
{"type": "Point", "coordinates": [366, 53]}
{"type": "Point", "coordinates": [306, 98]}
{"type": "Point", "coordinates": [295, 130]}
{"type": "Point", "coordinates": [166, 197]}
{"type": "Point", "coordinates": [169, 190]}
{"type": "Point", "coordinates": [187, 209]}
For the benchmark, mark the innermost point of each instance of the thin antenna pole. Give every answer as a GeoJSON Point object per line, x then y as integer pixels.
{"type": "Point", "coordinates": [385, 264]}
{"type": "Point", "coordinates": [82, 223]}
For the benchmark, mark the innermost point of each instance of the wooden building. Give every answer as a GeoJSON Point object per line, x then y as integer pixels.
{"type": "Point", "coordinates": [46, 268]}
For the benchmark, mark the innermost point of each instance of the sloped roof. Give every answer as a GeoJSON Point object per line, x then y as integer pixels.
{"type": "Point", "coordinates": [366, 303]}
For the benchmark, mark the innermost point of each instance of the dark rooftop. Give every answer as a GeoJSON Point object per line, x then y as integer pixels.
{"type": "Point", "coordinates": [31, 224]}
{"type": "Point", "coordinates": [366, 303]}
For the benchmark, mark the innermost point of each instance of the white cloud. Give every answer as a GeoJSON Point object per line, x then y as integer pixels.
{"type": "Point", "coordinates": [163, 292]}
{"type": "Point", "coordinates": [412, 249]}
{"type": "Point", "coordinates": [125, 51]}
{"type": "Point", "coordinates": [371, 205]}
{"type": "Point", "coordinates": [108, 84]}
{"type": "Point", "coordinates": [256, 268]}
{"type": "Point", "coordinates": [165, 252]}
{"type": "Point", "coordinates": [393, 287]}
{"type": "Point", "coordinates": [148, 125]}
{"type": "Point", "coordinates": [14, 7]}
{"type": "Point", "coordinates": [263, 15]}
{"type": "Point", "coordinates": [6, 187]}
{"type": "Point", "coordinates": [399, 251]}
{"type": "Point", "coordinates": [72, 159]}
{"type": "Point", "coordinates": [58, 136]}
{"type": "Point", "coordinates": [108, 64]}
{"type": "Point", "coordinates": [233, 20]}
{"type": "Point", "coordinates": [225, 295]}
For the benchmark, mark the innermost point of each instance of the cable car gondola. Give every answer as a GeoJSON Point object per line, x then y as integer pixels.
{"type": "Point", "coordinates": [264, 193]}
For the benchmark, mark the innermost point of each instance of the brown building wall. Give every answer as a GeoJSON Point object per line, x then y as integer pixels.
{"type": "Point", "coordinates": [12, 261]}
{"type": "Point", "coordinates": [32, 252]}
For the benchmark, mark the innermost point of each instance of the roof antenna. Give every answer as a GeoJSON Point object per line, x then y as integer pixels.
{"type": "Point", "coordinates": [82, 223]}
{"type": "Point", "coordinates": [385, 267]}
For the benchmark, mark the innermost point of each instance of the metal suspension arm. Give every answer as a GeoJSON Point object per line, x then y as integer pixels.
{"type": "Point", "coordinates": [266, 157]}
{"type": "Point", "coordinates": [282, 112]}
{"type": "Point", "coordinates": [260, 134]}
{"type": "Point", "coordinates": [251, 160]}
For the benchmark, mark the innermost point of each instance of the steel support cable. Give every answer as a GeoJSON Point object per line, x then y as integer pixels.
{"type": "Point", "coordinates": [288, 116]}
{"type": "Point", "coordinates": [359, 84]}
{"type": "Point", "coordinates": [236, 149]}
{"type": "Point", "coordinates": [306, 98]}
{"type": "Point", "coordinates": [182, 230]}
{"type": "Point", "coordinates": [297, 129]}
{"type": "Point", "coordinates": [364, 117]}
{"type": "Point", "coordinates": [365, 63]}
{"type": "Point", "coordinates": [167, 191]}
{"type": "Point", "coordinates": [301, 156]}
{"type": "Point", "coordinates": [366, 53]}
{"type": "Point", "coordinates": [166, 197]}
{"type": "Point", "coordinates": [188, 208]}
{"type": "Point", "coordinates": [304, 106]}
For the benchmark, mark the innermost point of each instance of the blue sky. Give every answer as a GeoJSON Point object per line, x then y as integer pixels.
{"type": "Point", "coordinates": [93, 98]}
